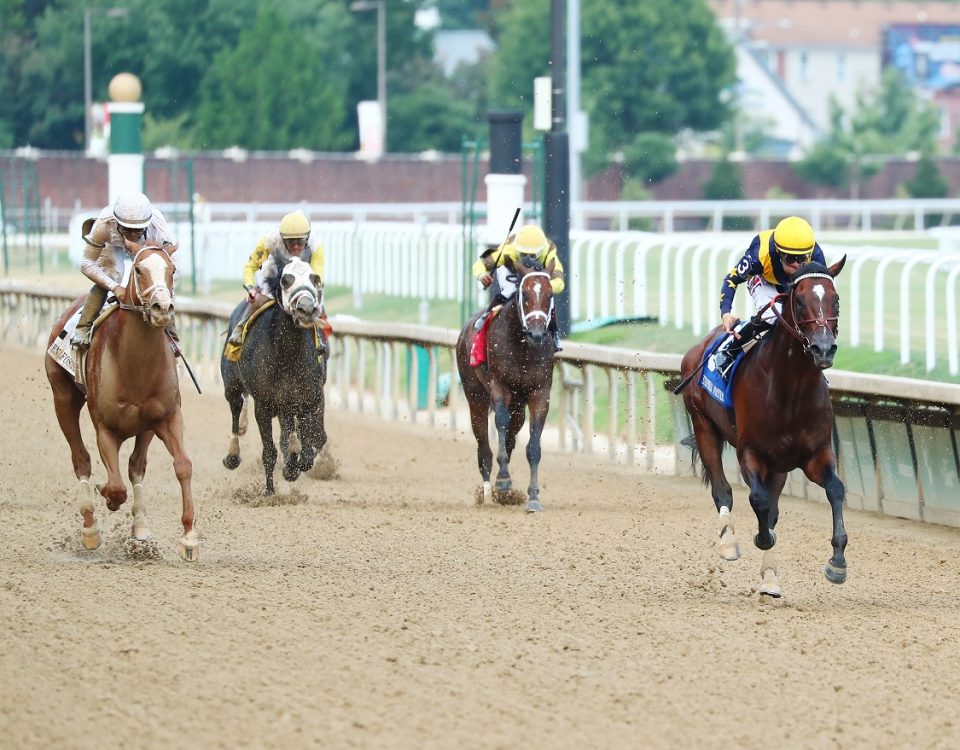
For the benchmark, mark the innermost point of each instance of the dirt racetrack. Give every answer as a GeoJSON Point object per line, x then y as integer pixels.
{"type": "Point", "coordinates": [384, 609]}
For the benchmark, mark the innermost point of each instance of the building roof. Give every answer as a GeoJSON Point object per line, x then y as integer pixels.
{"type": "Point", "coordinates": [828, 23]}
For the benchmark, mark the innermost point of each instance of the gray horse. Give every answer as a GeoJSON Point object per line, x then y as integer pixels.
{"type": "Point", "coordinates": [284, 368]}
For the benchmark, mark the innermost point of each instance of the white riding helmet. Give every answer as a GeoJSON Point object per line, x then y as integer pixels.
{"type": "Point", "coordinates": [133, 211]}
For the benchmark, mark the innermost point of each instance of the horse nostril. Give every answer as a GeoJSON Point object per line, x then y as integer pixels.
{"type": "Point", "coordinates": [833, 350]}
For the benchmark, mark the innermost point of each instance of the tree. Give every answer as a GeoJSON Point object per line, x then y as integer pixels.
{"type": "Point", "coordinates": [288, 105]}
{"type": "Point", "coordinates": [891, 119]}
{"type": "Point", "coordinates": [726, 184]}
{"type": "Point", "coordinates": [653, 67]}
{"type": "Point", "coordinates": [928, 181]}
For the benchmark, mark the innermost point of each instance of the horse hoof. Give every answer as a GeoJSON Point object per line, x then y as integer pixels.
{"type": "Point", "coordinates": [141, 533]}
{"type": "Point", "coordinates": [835, 574]}
{"type": "Point", "coordinates": [91, 537]}
{"type": "Point", "coordinates": [773, 541]}
{"type": "Point", "coordinates": [189, 547]}
{"type": "Point", "coordinates": [231, 462]}
{"type": "Point", "coordinates": [730, 552]}
{"type": "Point", "coordinates": [533, 506]}
{"type": "Point", "coordinates": [770, 586]}
{"type": "Point", "coordinates": [291, 473]}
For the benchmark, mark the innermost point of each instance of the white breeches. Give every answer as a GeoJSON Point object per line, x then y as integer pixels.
{"type": "Point", "coordinates": [508, 287]}
{"type": "Point", "coordinates": [762, 291]}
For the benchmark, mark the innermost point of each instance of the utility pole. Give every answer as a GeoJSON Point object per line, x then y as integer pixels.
{"type": "Point", "coordinates": [556, 148]}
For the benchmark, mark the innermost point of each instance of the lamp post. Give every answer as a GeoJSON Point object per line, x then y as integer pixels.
{"type": "Point", "coordinates": [380, 7]}
{"type": "Point", "coordinates": [88, 65]}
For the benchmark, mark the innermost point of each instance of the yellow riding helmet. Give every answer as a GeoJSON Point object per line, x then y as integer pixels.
{"type": "Point", "coordinates": [531, 240]}
{"type": "Point", "coordinates": [793, 236]}
{"type": "Point", "coordinates": [295, 226]}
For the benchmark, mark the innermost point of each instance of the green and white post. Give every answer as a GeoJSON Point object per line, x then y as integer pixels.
{"type": "Point", "coordinates": [125, 161]}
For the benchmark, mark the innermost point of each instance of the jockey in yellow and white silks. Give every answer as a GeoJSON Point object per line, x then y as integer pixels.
{"type": "Point", "coordinates": [773, 257]}
{"type": "Point", "coordinates": [530, 241]}
{"type": "Point", "coordinates": [291, 238]}
{"type": "Point", "coordinates": [130, 218]}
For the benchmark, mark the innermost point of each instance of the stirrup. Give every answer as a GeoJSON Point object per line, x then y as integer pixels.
{"type": "Point", "coordinates": [81, 341]}
{"type": "Point", "coordinates": [556, 343]}
{"type": "Point", "coordinates": [479, 324]}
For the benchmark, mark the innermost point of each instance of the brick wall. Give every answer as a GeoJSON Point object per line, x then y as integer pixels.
{"type": "Point", "coordinates": [67, 179]}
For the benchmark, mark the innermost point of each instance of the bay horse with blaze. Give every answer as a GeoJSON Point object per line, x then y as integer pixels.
{"type": "Point", "coordinates": [131, 392]}
{"type": "Point", "coordinates": [517, 375]}
{"type": "Point", "coordinates": [781, 420]}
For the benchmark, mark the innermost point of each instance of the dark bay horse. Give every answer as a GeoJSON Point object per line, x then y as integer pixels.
{"type": "Point", "coordinates": [132, 391]}
{"type": "Point", "coordinates": [284, 371]}
{"type": "Point", "coordinates": [782, 419]}
{"type": "Point", "coordinates": [517, 375]}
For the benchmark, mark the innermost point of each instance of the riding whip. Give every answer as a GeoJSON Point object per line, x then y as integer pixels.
{"type": "Point", "coordinates": [179, 353]}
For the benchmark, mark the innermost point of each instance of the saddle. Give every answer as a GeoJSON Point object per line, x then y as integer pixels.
{"type": "Point", "coordinates": [478, 350]}
{"type": "Point", "coordinates": [232, 351]}
{"type": "Point", "coordinates": [720, 385]}
{"type": "Point", "coordinates": [64, 354]}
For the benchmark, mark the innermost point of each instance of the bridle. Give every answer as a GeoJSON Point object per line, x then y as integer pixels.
{"type": "Point", "coordinates": [793, 328]}
{"type": "Point", "coordinates": [527, 317]}
{"type": "Point", "coordinates": [144, 294]}
{"type": "Point", "coordinates": [290, 297]}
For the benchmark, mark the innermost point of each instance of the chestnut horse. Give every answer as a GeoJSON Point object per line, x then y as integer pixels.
{"type": "Point", "coordinates": [781, 420]}
{"type": "Point", "coordinates": [132, 391]}
{"type": "Point", "coordinates": [518, 375]}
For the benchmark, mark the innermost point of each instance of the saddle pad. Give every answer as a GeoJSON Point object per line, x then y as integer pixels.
{"type": "Point", "coordinates": [713, 382]}
{"type": "Point", "coordinates": [60, 350]}
{"type": "Point", "coordinates": [232, 351]}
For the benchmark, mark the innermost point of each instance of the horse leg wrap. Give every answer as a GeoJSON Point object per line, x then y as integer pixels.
{"type": "Point", "coordinates": [770, 585]}
{"type": "Point", "coordinates": [233, 449]}
{"type": "Point", "coordinates": [729, 547]}
{"type": "Point", "coordinates": [139, 530]}
{"type": "Point", "coordinates": [85, 496]}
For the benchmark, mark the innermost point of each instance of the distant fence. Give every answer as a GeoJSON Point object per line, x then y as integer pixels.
{"type": "Point", "coordinates": [896, 439]}
{"type": "Point", "coordinates": [895, 299]}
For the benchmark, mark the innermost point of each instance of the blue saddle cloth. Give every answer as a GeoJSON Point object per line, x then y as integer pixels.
{"type": "Point", "coordinates": [720, 388]}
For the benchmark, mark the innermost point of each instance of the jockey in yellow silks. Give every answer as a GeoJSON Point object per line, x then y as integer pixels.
{"type": "Point", "coordinates": [275, 248]}
{"type": "Point", "coordinates": [531, 241]}
{"type": "Point", "coordinates": [773, 257]}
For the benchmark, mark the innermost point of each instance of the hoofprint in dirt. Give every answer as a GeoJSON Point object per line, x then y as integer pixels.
{"type": "Point", "coordinates": [386, 609]}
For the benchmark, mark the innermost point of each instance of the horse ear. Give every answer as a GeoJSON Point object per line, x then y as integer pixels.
{"type": "Point", "coordinates": [838, 266]}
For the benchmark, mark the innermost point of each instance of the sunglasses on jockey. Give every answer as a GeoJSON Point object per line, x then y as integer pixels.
{"type": "Point", "coordinates": [791, 259]}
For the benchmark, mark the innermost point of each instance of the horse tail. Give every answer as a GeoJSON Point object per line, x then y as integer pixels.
{"type": "Point", "coordinates": [690, 441]}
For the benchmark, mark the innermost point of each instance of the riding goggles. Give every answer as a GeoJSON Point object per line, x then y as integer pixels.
{"type": "Point", "coordinates": [788, 259]}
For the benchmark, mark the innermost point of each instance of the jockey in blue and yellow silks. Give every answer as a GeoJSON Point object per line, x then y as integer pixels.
{"type": "Point", "coordinates": [773, 257]}
{"type": "Point", "coordinates": [532, 242]}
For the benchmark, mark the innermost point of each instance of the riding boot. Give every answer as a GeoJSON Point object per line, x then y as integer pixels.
{"type": "Point", "coordinates": [236, 337]}
{"type": "Point", "coordinates": [728, 350]}
{"type": "Point", "coordinates": [555, 330]}
{"type": "Point", "coordinates": [498, 299]}
{"type": "Point", "coordinates": [91, 309]}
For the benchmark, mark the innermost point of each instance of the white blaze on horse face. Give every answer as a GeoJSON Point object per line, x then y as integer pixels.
{"type": "Point", "coordinates": [536, 291]}
{"type": "Point", "coordinates": [155, 288]}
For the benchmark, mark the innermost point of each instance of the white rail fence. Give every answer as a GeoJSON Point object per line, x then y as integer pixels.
{"type": "Point", "coordinates": [902, 300]}
{"type": "Point", "coordinates": [896, 438]}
